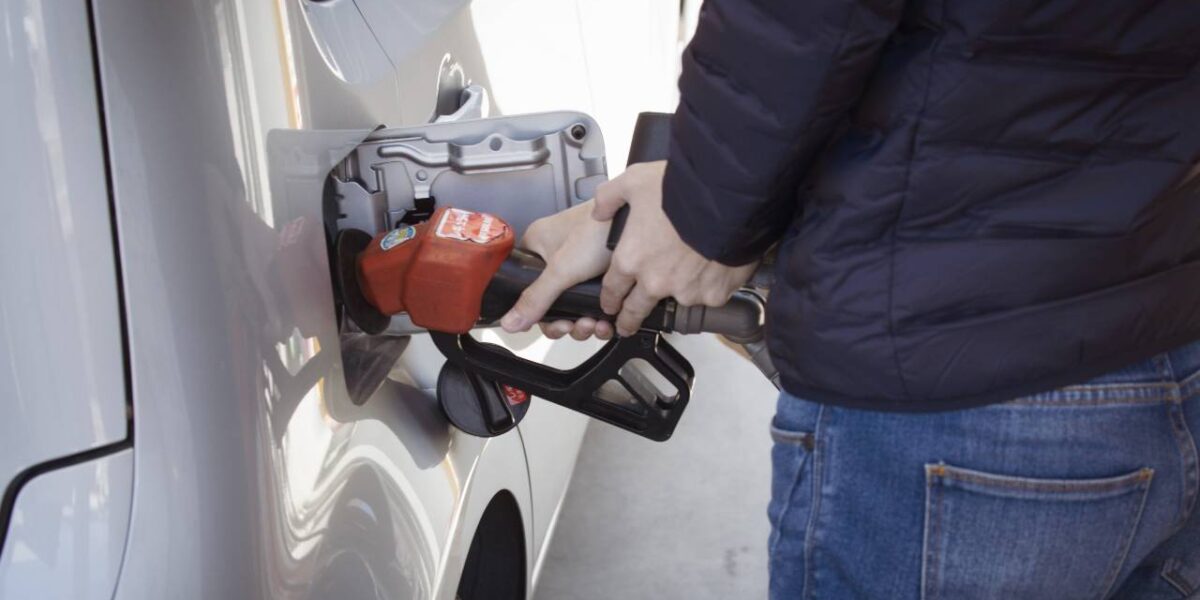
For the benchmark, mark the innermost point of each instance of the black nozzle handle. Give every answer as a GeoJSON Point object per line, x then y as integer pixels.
{"type": "Point", "coordinates": [651, 142]}
{"type": "Point", "coordinates": [519, 271]}
{"type": "Point", "coordinates": [740, 319]}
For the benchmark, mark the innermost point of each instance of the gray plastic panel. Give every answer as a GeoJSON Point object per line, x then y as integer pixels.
{"type": "Point", "coordinates": [518, 167]}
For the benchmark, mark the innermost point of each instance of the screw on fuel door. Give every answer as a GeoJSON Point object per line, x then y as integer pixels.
{"type": "Point", "coordinates": [477, 405]}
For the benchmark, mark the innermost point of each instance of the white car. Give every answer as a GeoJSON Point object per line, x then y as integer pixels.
{"type": "Point", "coordinates": [183, 412]}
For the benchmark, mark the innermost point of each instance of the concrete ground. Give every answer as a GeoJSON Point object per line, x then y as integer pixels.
{"type": "Point", "coordinates": [681, 519]}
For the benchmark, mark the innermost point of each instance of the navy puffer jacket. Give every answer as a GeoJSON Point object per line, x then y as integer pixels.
{"type": "Point", "coordinates": [977, 199]}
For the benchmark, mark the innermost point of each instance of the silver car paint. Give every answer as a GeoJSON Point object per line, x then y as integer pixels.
{"type": "Point", "coordinates": [254, 476]}
{"type": "Point", "coordinates": [62, 391]}
{"type": "Point", "coordinates": [68, 531]}
{"type": "Point", "coordinates": [251, 463]}
{"type": "Point", "coordinates": [62, 388]}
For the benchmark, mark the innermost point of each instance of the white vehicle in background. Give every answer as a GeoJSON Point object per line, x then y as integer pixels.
{"type": "Point", "coordinates": [177, 413]}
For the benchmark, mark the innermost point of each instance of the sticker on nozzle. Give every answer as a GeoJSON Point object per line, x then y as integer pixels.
{"type": "Point", "coordinates": [396, 237]}
{"type": "Point", "coordinates": [465, 225]}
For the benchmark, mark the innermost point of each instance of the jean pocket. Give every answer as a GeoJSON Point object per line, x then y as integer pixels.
{"type": "Point", "coordinates": [994, 536]}
{"type": "Point", "coordinates": [791, 458]}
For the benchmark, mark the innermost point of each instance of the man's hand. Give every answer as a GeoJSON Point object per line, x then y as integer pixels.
{"type": "Point", "coordinates": [573, 246]}
{"type": "Point", "coordinates": [651, 261]}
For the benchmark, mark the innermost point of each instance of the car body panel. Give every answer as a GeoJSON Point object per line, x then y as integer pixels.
{"type": "Point", "coordinates": [68, 533]}
{"type": "Point", "coordinates": [253, 473]}
{"type": "Point", "coordinates": [63, 390]}
{"type": "Point", "coordinates": [251, 462]}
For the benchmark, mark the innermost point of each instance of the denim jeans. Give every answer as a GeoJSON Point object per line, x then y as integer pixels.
{"type": "Point", "coordinates": [1084, 492]}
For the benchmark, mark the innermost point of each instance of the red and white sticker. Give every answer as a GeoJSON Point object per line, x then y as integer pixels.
{"type": "Point", "coordinates": [513, 395]}
{"type": "Point", "coordinates": [465, 225]}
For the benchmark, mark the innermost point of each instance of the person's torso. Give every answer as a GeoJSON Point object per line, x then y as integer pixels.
{"type": "Point", "coordinates": [1013, 205]}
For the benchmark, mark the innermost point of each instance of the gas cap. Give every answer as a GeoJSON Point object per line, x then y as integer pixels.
{"type": "Point", "coordinates": [477, 405]}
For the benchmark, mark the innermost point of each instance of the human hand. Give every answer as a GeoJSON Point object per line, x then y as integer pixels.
{"type": "Point", "coordinates": [573, 245]}
{"type": "Point", "coordinates": [652, 262]}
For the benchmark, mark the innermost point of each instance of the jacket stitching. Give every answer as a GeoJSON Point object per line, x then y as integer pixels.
{"type": "Point", "coordinates": [906, 188]}
{"type": "Point", "coordinates": [1081, 155]}
{"type": "Point", "coordinates": [1082, 65]}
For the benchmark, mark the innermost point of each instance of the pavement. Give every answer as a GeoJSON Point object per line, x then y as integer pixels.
{"type": "Point", "coordinates": [680, 519]}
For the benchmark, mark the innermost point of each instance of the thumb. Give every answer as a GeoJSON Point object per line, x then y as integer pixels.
{"type": "Point", "coordinates": [534, 302]}
{"type": "Point", "coordinates": [610, 197]}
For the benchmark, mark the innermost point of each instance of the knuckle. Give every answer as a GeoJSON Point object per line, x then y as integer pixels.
{"type": "Point", "coordinates": [641, 305]}
{"type": "Point", "coordinates": [608, 192]}
{"type": "Point", "coordinates": [715, 298]}
{"type": "Point", "coordinates": [623, 265]}
{"type": "Point", "coordinates": [657, 287]}
{"type": "Point", "coordinates": [687, 297]}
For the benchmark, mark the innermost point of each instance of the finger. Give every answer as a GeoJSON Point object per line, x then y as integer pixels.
{"type": "Point", "coordinates": [604, 330]}
{"type": "Point", "coordinates": [714, 289]}
{"type": "Point", "coordinates": [534, 302]}
{"type": "Point", "coordinates": [610, 196]}
{"type": "Point", "coordinates": [613, 289]}
{"type": "Point", "coordinates": [583, 329]}
{"type": "Point", "coordinates": [557, 329]}
{"type": "Point", "coordinates": [636, 307]}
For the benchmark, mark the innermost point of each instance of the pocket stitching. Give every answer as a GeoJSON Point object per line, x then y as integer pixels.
{"type": "Point", "coordinates": [1063, 486]}
{"type": "Point", "coordinates": [931, 564]}
{"type": "Point", "coordinates": [1190, 386]}
{"type": "Point", "coordinates": [1130, 532]}
{"type": "Point", "coordinates": [1170, 574]}
{"type": "Point", "coordinates": [787, 505]}
{"type": "Point", "coordinates": [803, 442]}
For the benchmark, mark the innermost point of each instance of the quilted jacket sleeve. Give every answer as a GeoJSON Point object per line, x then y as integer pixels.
{"type": "Point", "coordinates": [764, 84]}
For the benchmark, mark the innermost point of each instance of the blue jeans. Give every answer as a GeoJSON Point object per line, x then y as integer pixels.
{"type": "Point", "coordinates": [1085, 492]}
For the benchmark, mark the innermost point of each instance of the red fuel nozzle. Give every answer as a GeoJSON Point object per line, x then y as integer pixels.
{"type": "Point", "coordinates": [435, 271]}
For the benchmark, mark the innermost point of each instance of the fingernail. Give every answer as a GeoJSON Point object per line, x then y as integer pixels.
{"type": "Point", "coordinates": [624, 332]}
{"type": "Point", "coordinates": [512, 322]}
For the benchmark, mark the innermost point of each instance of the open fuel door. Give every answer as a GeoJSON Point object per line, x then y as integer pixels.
{"type": "Point", "coordinates": [519, 167]}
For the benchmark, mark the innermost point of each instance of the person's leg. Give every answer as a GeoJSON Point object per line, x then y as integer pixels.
{"type": "Point", "coordinates": [1171, 571]}
{"type": "Point", "coordinates": [1055, 496]}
